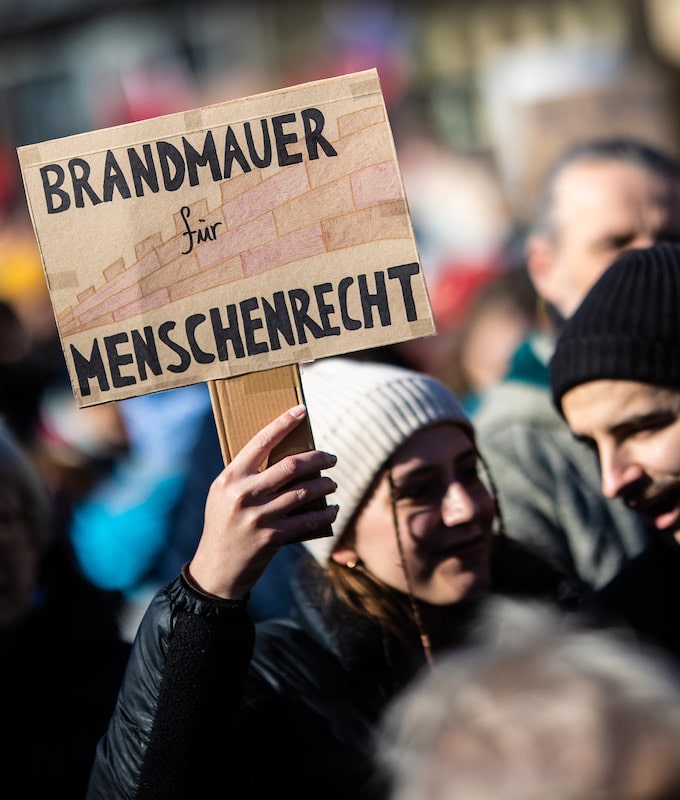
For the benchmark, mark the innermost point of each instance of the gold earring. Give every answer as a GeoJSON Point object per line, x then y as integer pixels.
{"type": "Point", "coordinates": [351, 564]}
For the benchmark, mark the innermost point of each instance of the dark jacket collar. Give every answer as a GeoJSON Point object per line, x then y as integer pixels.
{"type": "Point", "coordinates": [356, 641]}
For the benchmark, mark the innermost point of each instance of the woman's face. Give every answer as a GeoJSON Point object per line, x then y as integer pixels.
{"type": "Point", "coordinates": [444, 513]}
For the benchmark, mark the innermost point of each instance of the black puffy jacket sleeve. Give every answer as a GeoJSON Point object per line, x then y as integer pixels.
{"type": "Point", "coordinates": [178, 705]}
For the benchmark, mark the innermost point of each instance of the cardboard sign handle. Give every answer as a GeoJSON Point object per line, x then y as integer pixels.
{"type": "Point", "coordinates": [244, 404]}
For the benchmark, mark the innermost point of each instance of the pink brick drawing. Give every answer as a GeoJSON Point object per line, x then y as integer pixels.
{"type": "Point", "coordinates": [260, 224]}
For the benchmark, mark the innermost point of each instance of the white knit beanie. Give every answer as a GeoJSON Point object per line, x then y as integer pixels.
{"type": "Point", "coordinates": [362, 411]}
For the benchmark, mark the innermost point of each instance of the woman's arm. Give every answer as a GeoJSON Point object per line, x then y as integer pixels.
{"type": "Point", "coordinates": [182, 685]}
{"type": "Point", "coordinates": [170, 733]}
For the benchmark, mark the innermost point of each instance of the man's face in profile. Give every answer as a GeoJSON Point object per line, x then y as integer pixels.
{"type": "Point", "coordinates": [635, 429]}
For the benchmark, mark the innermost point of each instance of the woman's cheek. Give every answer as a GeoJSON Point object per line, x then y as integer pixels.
{"type": "Point", "coordinates": [421, 523]}
{"type": "Point", "coordinates": [486, 506]}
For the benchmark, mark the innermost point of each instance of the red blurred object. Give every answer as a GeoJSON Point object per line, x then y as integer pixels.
{"type": "Point", "coordinates": [455, 288]}
{"type": "Point", "coordinates": [9, 178]}
{"type": "Point", "coordinates": [145, 93]}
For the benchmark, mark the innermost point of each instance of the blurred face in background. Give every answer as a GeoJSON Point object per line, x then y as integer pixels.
{"type": "Point", "coordinates": [444, 515]}
{"type": "Point", "coordinates": [490, 343]}
{"type": "Point", "coordinates": [599, 209]}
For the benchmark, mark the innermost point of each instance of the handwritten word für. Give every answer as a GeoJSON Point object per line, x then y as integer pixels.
{"type": "Point", "coordinates": [205, 234]}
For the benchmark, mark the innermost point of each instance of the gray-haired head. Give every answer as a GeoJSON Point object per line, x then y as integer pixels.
{"type": "Point", "coordinates": [623, 149]}
{"type": "Point", "coordinates": [539, 712]}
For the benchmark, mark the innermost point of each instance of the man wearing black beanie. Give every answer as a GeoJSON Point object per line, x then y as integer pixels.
{"type": "Point", "coordinates": [615, 377]}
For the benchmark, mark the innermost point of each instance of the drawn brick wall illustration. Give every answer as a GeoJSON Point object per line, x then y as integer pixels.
{"type": "Point", "coordinates": [299, 211]}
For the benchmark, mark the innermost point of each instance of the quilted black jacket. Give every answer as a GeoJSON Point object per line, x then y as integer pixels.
{"type": "Point", "coordinates": [205, 711]}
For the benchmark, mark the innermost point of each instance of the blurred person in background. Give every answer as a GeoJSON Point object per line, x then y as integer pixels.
{"type": "Point", "coordinates": [61, 653]}
{"type": "Point", "coordinates": [461, 220]}
{"type": "Point", "coordinates": [537, 711]}
{"type": "Point", "coordinates": [600, 198]}
{"type": "Point", "coordinates": [74, 449]}
{"type": "Point", "coordinates": [485, 333]}
{"type": "Point", "coordinates": [121, 527]}
{"type": "Point", "coordinates": [31, 358]}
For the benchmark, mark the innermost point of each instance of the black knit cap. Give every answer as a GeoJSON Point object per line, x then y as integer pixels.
{"type": "Point", "coordinates": [627, 327]}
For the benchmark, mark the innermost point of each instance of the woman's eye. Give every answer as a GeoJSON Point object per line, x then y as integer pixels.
{"type": "Point", "coordinates": [424, 491]}
{"type": "Point", "coordinates": [467, 472]}
{"type": "Point", "coordinates": [415, 490]}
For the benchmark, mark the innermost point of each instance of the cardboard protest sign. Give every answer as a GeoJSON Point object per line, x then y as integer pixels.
{"type": "Point", "coordinates": [227, 240]}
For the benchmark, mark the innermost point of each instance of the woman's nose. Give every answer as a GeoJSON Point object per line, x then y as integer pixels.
{"type": "Point", "coordinates": [458, 505]}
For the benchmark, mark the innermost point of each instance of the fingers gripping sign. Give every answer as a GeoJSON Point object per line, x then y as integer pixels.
{"type": "Point", "coordinates": [289, 484]}
{"type": "Point", "coordinates": [251, 512]}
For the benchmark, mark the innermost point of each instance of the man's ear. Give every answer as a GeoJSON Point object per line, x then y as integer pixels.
{"type": "Point", "coordinates": [540, 261]}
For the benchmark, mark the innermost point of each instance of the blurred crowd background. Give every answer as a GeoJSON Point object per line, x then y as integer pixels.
{"type": "Point", "coordinates": [481, 96]}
